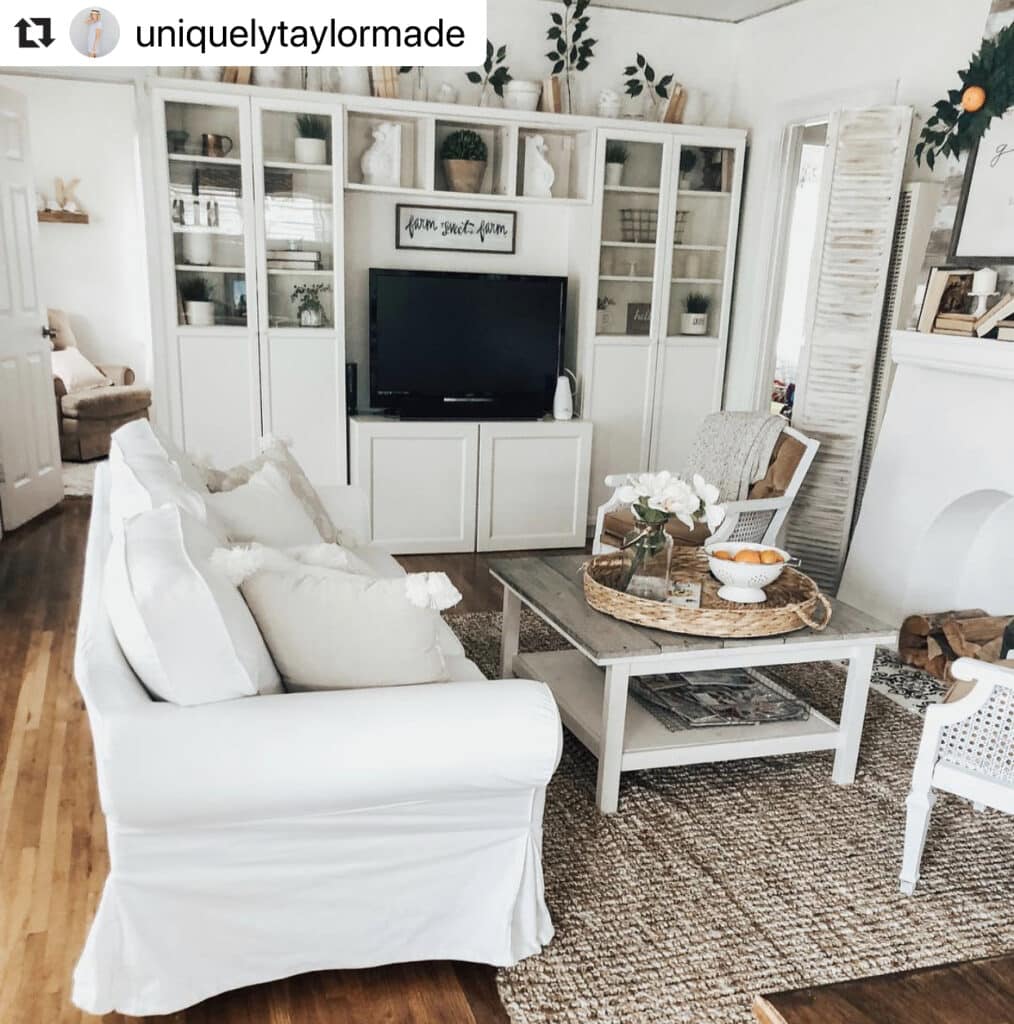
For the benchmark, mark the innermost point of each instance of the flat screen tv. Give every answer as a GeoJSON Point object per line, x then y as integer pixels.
{"type": "Point", "coordinates": [465, 345]}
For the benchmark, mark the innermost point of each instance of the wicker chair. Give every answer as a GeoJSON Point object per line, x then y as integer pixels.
{"type": "Point", "coordinates": [967, 749]}
{"type": "Point", "coordinates": [755, 520]}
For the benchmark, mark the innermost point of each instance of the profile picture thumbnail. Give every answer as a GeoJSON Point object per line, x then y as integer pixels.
{"type": "Point", "coordinates": [94, 32]}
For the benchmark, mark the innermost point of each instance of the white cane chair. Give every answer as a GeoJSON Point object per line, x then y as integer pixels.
{"type": "Point", "coordinates": [967, 749]}
{"type": "Point", "coordinates": [755, 521]}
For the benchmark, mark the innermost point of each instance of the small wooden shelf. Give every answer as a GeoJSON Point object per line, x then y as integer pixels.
{"type": "Point", "coordinates": [292, 165]}
{"type": "Point", "coordinates": [62, 217]}
{"type": "Point", "coordinates": [197, 268]}
{"type": "Point", "coordinates": [287, 272]}
{"type": "Point", "coordinates": [631, 190]}
{"type": "Point", "coordinates": [196, 158]}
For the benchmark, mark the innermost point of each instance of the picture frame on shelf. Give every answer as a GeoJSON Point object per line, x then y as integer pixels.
{"type": "Point", "coordinates": [638, 318]}
{"type": "Point", "coordinates": [984, 223]}
{"type": "Point", "coordinates": [455, 229]}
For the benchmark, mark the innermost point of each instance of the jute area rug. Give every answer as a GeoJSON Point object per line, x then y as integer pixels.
{"type": "Point", "coordinates": [717, 882]}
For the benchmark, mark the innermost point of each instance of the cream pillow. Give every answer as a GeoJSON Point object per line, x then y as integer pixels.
{"type": "Point", "coordinates": [142, 482]}
{"type": "Point", "coordinates": [330, 629]}
{"type": "Point", "coordinates": [265, 511]}
{"type": "Point", "coordinates": [181, 623]}
{"type": "Point", "coordinates": [75, 372]}
{"type": "Point", "coordinates": [139, 437]}
{"type": "Point", "coordinates": [277, 452]}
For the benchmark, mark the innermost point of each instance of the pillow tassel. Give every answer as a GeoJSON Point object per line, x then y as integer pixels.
{"type": "Point", "coordinates": [431, 590]}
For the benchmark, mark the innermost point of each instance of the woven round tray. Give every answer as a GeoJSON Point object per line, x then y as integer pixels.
{"type": "Point", "coordinates": [794, 601]}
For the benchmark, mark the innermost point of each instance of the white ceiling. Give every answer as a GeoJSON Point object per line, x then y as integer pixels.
{"type": "Point", "coordinates": [711, 10]}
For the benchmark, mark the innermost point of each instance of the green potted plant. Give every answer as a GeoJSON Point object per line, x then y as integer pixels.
{"type": "Point", "coordinates": [311, 144]}
{"type": "Point", "coordinates": [309, 308]}
{"type": "Point", "coordinates": [464, 159]}
{"type": "Point", "coordinates": [616, 157]}
{"type": "Point", "coordinates": [197, 294]}
{"type": "Point", "coordinates": [695, 319]}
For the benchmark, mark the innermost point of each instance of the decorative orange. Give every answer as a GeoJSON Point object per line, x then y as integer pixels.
{"type": "Point", "coordinates": [748, 556]}
{"type": "Point", "coordinates": [973, 99]}
{"type": "Point", "coordinates": [722, 554]}
{"type": "Point", "coordinates": [771, 557]}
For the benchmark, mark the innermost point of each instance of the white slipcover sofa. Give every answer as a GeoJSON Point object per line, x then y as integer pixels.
{"type": "Point", "coordinates": [263, 837]}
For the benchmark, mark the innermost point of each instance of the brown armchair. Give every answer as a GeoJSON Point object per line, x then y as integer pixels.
{"type": "Point", "coordinates": [88, 418]}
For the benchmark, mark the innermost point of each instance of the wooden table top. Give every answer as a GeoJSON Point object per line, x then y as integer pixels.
{"type": "Point", "coordinates": [552, 585]}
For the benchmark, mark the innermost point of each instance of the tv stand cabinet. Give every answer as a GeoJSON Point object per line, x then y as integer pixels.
{"type": "Point", "coordinates": [438, 486]}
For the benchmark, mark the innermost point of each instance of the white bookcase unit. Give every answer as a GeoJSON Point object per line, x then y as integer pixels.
{"type": "Point", "coordinates": [638, 248]}
{"type": "Point", "coordinates": [462, 485]}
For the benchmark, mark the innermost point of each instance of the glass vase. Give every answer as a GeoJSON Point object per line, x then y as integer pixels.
{"type": "Point", "coordinates": [647, 552]}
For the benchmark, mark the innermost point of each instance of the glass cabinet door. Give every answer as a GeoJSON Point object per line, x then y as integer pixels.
{"type": "Point", "coordinates": [206, 208]}
{"type": "Point", "coordinates": [698, 291]}
{"type": "Point", "coordinates": [298, 185]}
{"type": "Point", "coordinates": [629, 239]}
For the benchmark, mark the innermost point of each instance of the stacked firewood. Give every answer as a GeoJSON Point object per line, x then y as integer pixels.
{"type": "Point", "coordinates": [933, 642]}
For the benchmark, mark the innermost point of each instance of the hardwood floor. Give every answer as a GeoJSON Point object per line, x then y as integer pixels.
{"type": "Point", "coordinates": [53, 857]}
{"type": "Point", "coordinates": [976, 992]}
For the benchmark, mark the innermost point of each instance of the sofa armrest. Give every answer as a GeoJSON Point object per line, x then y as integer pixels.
{"type": "Point", "coordinates": [349, 509]}
{"type": "Point", "coordinates": [117, 374]}
{"type": "Point", "coordinates": [294, 754]}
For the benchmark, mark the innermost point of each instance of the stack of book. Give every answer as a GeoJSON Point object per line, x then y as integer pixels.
{"type": "Point", "coordinates": [1000, 316]}
{"type": "Point", "coordinates": [1005, 330]}
{"type": "Point", "coordinates": [293, 259]}
{"type": "Point", "coordinates": [955, 323]}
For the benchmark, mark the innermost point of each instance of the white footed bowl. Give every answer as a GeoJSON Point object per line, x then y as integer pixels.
{"type": "Point", "coordinates": [743, 581]}
{"type": "Point", "coordinates": [521, 95]}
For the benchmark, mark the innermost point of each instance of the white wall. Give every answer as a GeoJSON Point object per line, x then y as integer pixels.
{"type": "Point", "coordinates": [97, 272]}
{"type": "Point", "coordinates": [801, 61]}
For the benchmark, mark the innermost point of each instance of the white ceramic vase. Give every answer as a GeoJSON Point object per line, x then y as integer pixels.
{"type": "Point", "coordinates": [694, 323]}
{"type": "Point", "coordinates": [200, 314]}
{"type": "Point", "coordinates": [311, 151]}
{"type": "Point", "coordinates": [614, 174]}
{"type": "Point", "coordinates": [197, 248]}
{"type": "Point", "coordinates": [311, 318]}
{"type": "Point", "coordinates": [521, 95]}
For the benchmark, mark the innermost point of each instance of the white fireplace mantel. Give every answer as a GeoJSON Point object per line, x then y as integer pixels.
{"type": "Point", "coordinates": [937, 519]}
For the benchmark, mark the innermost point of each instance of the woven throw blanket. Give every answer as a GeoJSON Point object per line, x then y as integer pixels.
{"type": "Point", "coordinates": [732, 450]}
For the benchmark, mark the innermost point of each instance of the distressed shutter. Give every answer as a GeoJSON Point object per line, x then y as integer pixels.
{"type": "Point", "coordinates": [852, 253]}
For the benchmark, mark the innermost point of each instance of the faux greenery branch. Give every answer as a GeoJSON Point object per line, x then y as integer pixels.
{"type": "Point", "coordinates": [312, 126]}
{"type": "Point", "coordinates": [573, 48]}
{"type": "Point", "coordinates": [196, 289]}
{"type": "Point", "coordinates": [463, 144]}
{"type": "Point", "coordinates": [697, 302]}
{"type": "Point", "coordinates": [616, 152]}
{"type": "Point", "coordinates": [495, 71]}
{"type": "Point", "coordinates": [641, 75]}
{"type": "Point", "coordinates": [987, 91]}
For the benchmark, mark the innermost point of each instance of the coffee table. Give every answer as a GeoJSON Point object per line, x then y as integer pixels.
{"type": "Point", "coordinates": [590, 680]}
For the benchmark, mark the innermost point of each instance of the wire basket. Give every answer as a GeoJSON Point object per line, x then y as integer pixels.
{"type": "Point", "coordinates": [682, 223]}
{"type": "Point", "coordinates": [639, 225]}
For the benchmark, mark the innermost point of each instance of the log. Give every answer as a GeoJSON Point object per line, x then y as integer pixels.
{"type": "Point", "coordinates": [933, 641]}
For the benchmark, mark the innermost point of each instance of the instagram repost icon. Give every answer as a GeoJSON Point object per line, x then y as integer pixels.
{"type": "Point", "coordinates": [94, 32]}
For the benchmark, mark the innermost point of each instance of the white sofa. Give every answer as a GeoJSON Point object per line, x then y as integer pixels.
{"type": "Point", "coordinates": [263, 837]}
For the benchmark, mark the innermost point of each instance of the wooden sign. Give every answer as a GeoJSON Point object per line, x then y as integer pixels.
{"type": "Point", "coordinates": [455, 229]}
{"type": "Point", "coordinates": [638, 317]}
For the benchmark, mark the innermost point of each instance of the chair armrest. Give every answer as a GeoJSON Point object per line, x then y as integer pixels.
{"type": "Point", "coordinates": [59, 389]}
{"type": "Point", "coordinates": [349, 509]}
{"type": "Point", "coordinates": [293, 754]}
{"type": "Point", "coordinates": [117, 374]}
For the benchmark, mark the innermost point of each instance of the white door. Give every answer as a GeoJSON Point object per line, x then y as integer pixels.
{"type": "Point", "coordinates": [30, 470]}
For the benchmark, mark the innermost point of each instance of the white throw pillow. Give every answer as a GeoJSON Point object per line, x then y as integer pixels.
{"type": "Point", "coordinates": [139, 437]}
{"type": "Point", "coordinates": [140, 483]}
{"type": "Point", "coordinates": [76, 372]}
{"type": "Point", "coordinates": [264, 511]}
{"type": "Point", "coordinates": [182, 624]}
{"type": "Point", "coordinates": [276, 451]}
{"type": "Point", "coordinates": [329, 629]}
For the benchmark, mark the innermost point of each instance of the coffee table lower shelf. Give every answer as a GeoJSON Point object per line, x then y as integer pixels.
{"type": "Point", "coordinates": [579, 686]}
